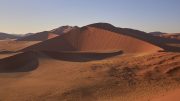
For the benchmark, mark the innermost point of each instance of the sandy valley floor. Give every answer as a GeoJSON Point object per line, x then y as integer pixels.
{"type": "Point", "coordinates": [120, 78]}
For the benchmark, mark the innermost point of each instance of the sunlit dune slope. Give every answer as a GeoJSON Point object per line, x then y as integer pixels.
{"type": "Point", "coordinates": [13, 46]}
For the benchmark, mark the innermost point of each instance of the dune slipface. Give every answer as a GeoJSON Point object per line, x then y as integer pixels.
{"type": "Point", "coordinates": [155, 40]}
{"type": "Point", "coordinates": [94, 40]}
{"type": "Point", "coordinates": [22, 62]}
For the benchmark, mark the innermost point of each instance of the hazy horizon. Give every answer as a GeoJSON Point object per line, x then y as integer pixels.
{"type": "Point", "coordinates": [28, 16]}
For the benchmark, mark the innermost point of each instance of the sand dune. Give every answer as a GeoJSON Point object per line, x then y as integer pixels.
{"type": "Point", "coordinates": [157, 33]}
{"type": "Point", "coordinates": [111, 79]}
{"type": "Point", "coordinates": [22, 62]}
{"type": "Point", "coordinates": [171, 36]}
{"type": "Point", "coordinates": [98, 62]}
{"type": "Point", "coordinates": [45, 35]}
{"type": "Point", "coordinates": [82, 56]}
{"type": "Point", "coordinates": [93, 40]}
{"type": "Point", "coordinates": [167, 35]}
{"type": "Point", "coordinates": [156, 40]}
{"type": "Point", "coordinates": [5, 36]}
{"type": "Point", "coordinates": [13, 46]}
{"type": "Point", "coordinates": [171, 96]}
{"type": "Point", "coordinates": [63, 29]}
{"type": "Point", "coordinates": [41, 36]}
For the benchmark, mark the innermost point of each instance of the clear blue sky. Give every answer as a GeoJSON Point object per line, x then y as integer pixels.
{"type": "Point", "coordinates": [23, 16]}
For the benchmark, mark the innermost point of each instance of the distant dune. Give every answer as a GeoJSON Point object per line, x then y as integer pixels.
{"type": "Point", "coordinates": [172, 36]}
{"type": "Point", "coordinates": [167, 35]}
{"type": "Point", "coordinates": [157, 33]}
{"type": "Point", "coordinates": [4, 36]}
{"type": "Point", "coordinates": [41, 36]}
{"type": "Point", "coordinates": [45, 35]}
{"type": "Point", "coordinates": [63, 29]}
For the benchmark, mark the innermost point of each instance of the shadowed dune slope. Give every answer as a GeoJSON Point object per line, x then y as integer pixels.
{"type": "Point", "coordinates": [121, 78]}
{"type": "Point", "coordinates": [41, 36]}
{"type": "Point", "coordinates": [82, 56]}
{"type": "Point", "coordinates": [22, 62]}
{"type": "Point", "coordinates": [89, 39]}
{"type": "Point", "coordinates": [156, 40]}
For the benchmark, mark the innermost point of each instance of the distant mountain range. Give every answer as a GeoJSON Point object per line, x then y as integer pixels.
{"type": "Point", "coordinates": [166, 35]}
{"type": "Point", "coordinates": [45, 35]}
{"type": "Point", "coordinates": [5, 36]}
{"type": "Point", "coordinates": [157, 33]}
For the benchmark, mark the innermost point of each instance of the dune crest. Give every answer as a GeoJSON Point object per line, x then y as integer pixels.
{"type": "Point", "coordinates": [162, 42]}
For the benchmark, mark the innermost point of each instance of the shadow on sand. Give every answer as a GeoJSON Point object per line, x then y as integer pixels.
{"type": "Point", "coordinates": [6, 52]}
{"type": "Point", "coordinates": [81, 56]}
{"type": "Point", "coordinates": [22, 62]}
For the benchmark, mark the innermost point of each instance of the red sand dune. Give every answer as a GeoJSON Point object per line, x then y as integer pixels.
{"type": "Point", "coordinates": [171, 96]}
{"type": "Point", "coordinates": [62, 75]}
{"type": "Point", "coordinates": [94, 40]}
{"type": "Point", "coordinates": [41, 36]}
{"type": "Point", "coordinates": [19, 63]}
{"type": "Point", "coordinates": [156, 40]}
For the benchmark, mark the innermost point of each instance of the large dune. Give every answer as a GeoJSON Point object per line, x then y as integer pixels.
{"type": "Point", "coordinates": [156, 40]}
{"type": "Point", "coordinates": [41, 36]}
{"type": "Point", "coordinates": [91, 39]}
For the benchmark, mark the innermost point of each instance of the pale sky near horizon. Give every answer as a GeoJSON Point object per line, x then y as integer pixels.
{"type": "Point", "coordinates": [25, 16]}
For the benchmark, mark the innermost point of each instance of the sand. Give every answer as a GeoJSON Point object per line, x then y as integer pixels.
{"type": "Point", "coordinates": [110, 79]}
{"type": "Point", "coordinates": [5, 36]}
{"type": "Point", "coordinates": [170, 96]}
{"type": "Point", "coordinates": [21, 62]}
{"type": "Point", "coordinates": [171, 36]}
{"type": "Point", "coordinates": [94, 39]}
{"type": "Point", "coordinates": [163, 42]}
{"type": "Point", "coordinates": [13, 46]}
{"type": "Point", "coordinates": [41, 36]}
{"type": "Point", "coordinates": [89, 64]}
